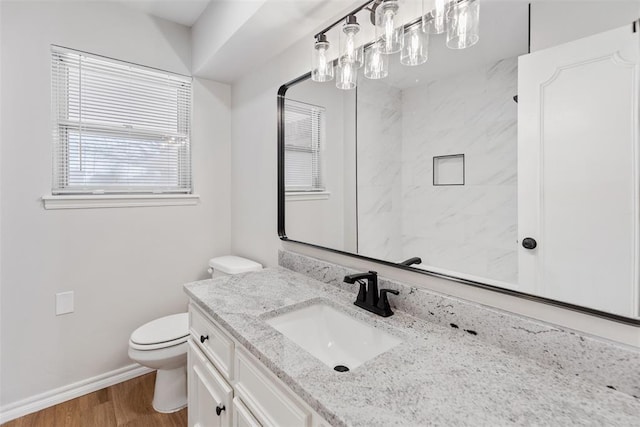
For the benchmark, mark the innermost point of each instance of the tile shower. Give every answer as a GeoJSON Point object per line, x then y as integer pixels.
{"type": "Point", "coordinates": [470, 228]}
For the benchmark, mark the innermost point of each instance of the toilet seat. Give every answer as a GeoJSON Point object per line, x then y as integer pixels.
{"type": "Point", "coordinates": [164, 332]}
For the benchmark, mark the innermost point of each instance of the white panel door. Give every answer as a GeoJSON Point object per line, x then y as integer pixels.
{"type": "Point", "coordinates": [578, 171]}
{"type": "Point", "coordinates": [210, 397]}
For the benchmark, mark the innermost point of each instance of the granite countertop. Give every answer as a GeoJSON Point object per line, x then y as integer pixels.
{"type": "Point", "coordinates": [433, 377]}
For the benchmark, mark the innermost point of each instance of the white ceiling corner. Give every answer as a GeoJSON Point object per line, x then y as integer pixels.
{"type": "Point", "coordinates": [185, 12]}
{"type": "Point", "coordinates": [232, 38]}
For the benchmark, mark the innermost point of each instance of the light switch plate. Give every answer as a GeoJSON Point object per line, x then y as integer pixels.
{"type": "Point", "coordinates": [64, 303]}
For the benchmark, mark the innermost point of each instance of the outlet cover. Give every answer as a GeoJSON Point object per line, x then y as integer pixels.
{"type": "Point", "coordinates": [64, 303]}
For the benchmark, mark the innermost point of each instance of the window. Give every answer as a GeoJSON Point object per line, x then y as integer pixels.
{"type": "Point", "coordinates": [304, 132]}
{"type": "Point", "coordinates": [118, 128]}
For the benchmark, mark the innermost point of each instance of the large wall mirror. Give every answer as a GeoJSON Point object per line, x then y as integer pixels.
{"type": "Point", "coordinates": [513, 164]}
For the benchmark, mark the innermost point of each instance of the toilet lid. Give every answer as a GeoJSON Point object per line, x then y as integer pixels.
{"type": "Point", "coordinates": [231, 264]}
{"type": "Point", "coordinates": [162, 330]}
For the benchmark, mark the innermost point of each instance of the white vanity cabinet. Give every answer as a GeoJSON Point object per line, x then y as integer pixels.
{"type": "Point", "coordinates": [242, 417]}
{"type": "Point", "coordinates": [229, 387]}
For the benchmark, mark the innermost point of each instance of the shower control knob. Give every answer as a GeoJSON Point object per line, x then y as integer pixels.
{"type": "Point", "coordinates": [203, 338]}
{"type": "Point", "coordinates": [219, 409]}
{"type": "Point", "coordinates": [529, 243]}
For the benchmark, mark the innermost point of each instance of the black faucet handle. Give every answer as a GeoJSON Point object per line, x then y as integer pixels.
{"type": "Point", "coordinates": [383, 302]}
{"type": "Point", "coordinates": [362, 293]}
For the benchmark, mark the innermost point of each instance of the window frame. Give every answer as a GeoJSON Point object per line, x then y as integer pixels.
{"type": "Point", "coordinates": [64, 195]}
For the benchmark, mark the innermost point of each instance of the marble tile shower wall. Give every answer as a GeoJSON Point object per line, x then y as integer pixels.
{"type": "Point", "coordinates": [401, 214]}
{"type": "Point", "coordinates": [379, 130]}
{"type": "Point", "coordinates": [470, 228]}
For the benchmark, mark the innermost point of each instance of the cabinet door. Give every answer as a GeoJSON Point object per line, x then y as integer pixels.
{"type": "Point", "coordinates": [241, 415]}
{"type": "Point", "coordinates": [210, 397]}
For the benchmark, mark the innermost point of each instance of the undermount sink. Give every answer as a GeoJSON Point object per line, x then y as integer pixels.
{"type": "Point", "coordinates": [337, 339]}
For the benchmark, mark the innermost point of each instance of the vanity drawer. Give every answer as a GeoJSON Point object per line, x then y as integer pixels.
{"type": "Point", "coordinates": [262, 392]}
{"type": "Point", "coordinates": [210, 338]}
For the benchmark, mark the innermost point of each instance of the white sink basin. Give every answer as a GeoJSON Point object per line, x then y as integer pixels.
{"type": "Point", "coordinates": [334, 337]}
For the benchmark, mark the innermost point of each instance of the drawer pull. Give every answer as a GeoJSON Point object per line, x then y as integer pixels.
{"type": "Point", "coordinates": [219, 409]}
{"type": "Point", "coordinates": [203, 338]}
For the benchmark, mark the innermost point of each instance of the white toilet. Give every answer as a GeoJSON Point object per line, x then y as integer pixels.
{"type": "Point", "coordinates": [162, 343]}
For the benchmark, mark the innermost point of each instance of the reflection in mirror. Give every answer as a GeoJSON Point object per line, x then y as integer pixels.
{"type": "Point", "coordinates": [320, 165]}
{"type": "Point", "coordinates": [513, 163]}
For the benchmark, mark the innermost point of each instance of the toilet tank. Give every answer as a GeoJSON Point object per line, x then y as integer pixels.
{"type": "Point", "coordinates": [231, 264]}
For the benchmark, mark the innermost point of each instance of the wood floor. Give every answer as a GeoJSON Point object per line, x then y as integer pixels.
{"type": "Point", "coordinates": [125, 404]}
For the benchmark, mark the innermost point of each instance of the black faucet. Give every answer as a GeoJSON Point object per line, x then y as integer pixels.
{"type": "Point", "coordinates": [368, 297]}
{"type": "Point", "coordinates": [411, 261]}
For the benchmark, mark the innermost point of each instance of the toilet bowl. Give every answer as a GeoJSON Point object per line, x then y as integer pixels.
{"type": "Point", "coordinates": [162, 343]}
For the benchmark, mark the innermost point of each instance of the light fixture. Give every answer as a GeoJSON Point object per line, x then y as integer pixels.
{"type": "Point", "coordinates": [321, 66]}
{"type": "Point", "coordinates": [415, 45]}
{"type": "Point", "coordinates": [376, 63]}
{"type": "Point", "coordinates": [387, 28]}
{"type": "Point", "coordinates": [346, 75]}
{"type": "Point", "coordinates": [393, 33]}
{"type": "Point", "coordinates": [350, 47]}
{"type": "Point", "coordinates": [435, 20]}
{"type": "Point", "coordinates": [463, 24]}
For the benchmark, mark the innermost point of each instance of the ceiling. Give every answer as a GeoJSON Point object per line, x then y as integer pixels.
{"type": "Point", "coordinates": [185, 12]}
{"type": "Point", "coordinates": [231, 37]}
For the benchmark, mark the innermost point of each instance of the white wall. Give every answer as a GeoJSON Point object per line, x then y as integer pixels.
{"type": "Point", "coordinates": [254, 201]}
{"type": "Point", "coordinates": [556, 22]}
{"type": "Point", "coordinates": [126, 265]}
{"type": "Point", "coordinates": [254, 154]}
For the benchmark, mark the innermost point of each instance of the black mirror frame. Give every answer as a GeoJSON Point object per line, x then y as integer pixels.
{"type": "Point", "coordinates": [283, 236]}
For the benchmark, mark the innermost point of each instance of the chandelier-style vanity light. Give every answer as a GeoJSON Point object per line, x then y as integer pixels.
{"type": "Point", "coordinates": [321, 66]}
{"type": "Point", "coordinates": [415, 45]}
{"type": "Point", "coordinates": [387, 29]}
{"type": "Point", "coordinates": [350, 45]}
{"type": "Point", "coordinates": [463, 24]}
{"type": "Point", "coordinates": [435, 20]}
{"type": "Point", "coordinates": [458, 18]}
{"type": "Point", "coordinates": [376, 63]}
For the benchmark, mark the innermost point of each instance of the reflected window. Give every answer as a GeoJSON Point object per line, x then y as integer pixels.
{"type": "Point", "coordinates": [304, 133]}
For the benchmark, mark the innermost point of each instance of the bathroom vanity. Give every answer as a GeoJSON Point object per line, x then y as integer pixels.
{"type": "Point", "coordinates": [216, 362]}
{"type": "Point", "coordinates": [245, 372]}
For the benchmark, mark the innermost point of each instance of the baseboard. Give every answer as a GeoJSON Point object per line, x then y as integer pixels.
{"type": "Point", "coordinates": [71, 391]}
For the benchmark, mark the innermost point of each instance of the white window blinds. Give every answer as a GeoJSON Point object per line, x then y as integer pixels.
{"type": "Point", "coordinates": [118, 127]}
{"type": "Point", "coordinates": [304, 132]}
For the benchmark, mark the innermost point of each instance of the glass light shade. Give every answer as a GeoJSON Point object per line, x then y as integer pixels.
{"type": "Point", "coordinates": [435, 19]}
{"type": "Point", "coordinates": [321, 66]}
{"type": "Point", "coordinates": [346, 75]}
{"type": "Point", "coordinates": [376, 63]}
{"type": "Point", "coordinates": [388, 29]}
{"type": "Point", "coordinates": [350, 46]}
{"type": "Point", "coordinates": [415, 45]}
{"type": "Point", "coordinates": [463, 24]}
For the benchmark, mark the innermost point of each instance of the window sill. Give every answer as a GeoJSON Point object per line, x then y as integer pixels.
{"type": "Point", "coordinates": [306, 195]}
{"type": "Point", "coordinates": [89, 201]}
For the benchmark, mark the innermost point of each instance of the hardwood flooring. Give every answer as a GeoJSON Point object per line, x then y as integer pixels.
{"type": "Point", "coordinates": [127, 404]}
